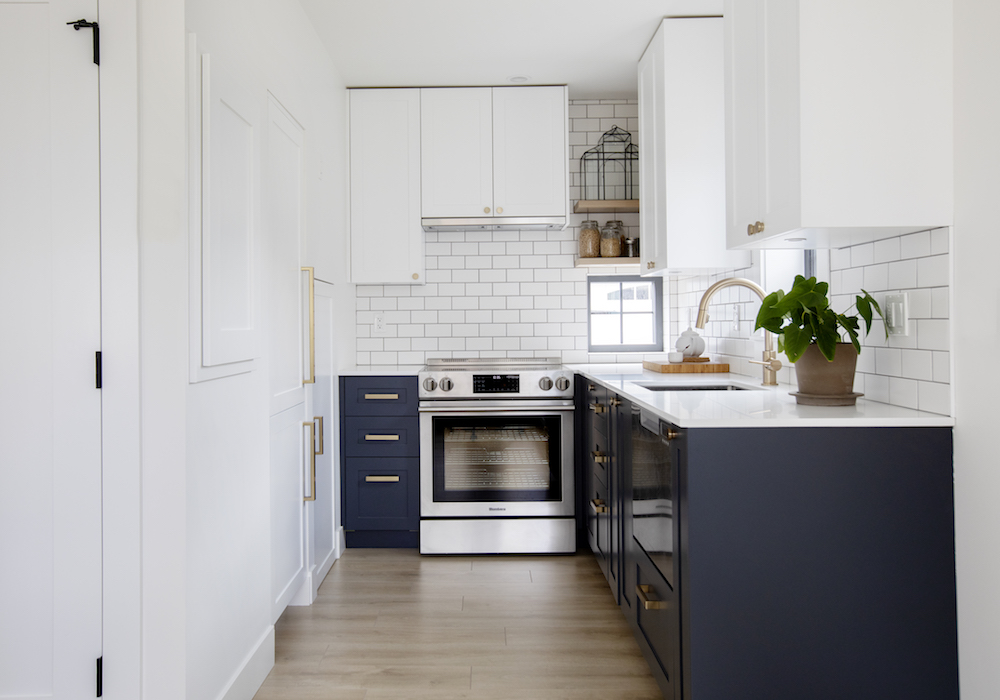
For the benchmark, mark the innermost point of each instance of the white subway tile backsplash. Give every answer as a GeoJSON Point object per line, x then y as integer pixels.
{"type": "Point", "coordinates": [903, 392]}
{"type": "Point", "coordinates": [902, 274]}
{"type": "Point", "coordinates": [933, 271]}
{"type": "Point", "coordinates": [919, 304]}
{"type": "Point", "coordinates": [886, 250]}
{"type": "Point", "coordinates": [917, 364]}
{"type": "Point", "coordinates": [932, 334]}
{"type": "Point", "coordinates": [940, 305]}
{"type": "Point", "coordinates": [940, 241]}
{"type": "Point", "coordinates": [942, 367]}
{"type": "Point", "coordinates": [934, 397]}
{"type": "Point", "coordinates": [915, 245]}
{"type": "Point", "coordinates": [862, 255]}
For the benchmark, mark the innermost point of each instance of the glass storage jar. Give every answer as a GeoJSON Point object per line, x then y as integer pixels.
{"type": "Point", "coordinates": [590, 240]}
{"type": "Point", "coordinates": [611, 240]}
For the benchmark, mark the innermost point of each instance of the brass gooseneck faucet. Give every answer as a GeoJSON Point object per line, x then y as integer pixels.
{"type": "Point", "coordinates": [770, 361]}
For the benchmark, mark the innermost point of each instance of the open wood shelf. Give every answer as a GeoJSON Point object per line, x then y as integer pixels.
{"type": "Point", "coordinates": [607, 262]}
{"type": "Point", "coordinates": [613, 206]}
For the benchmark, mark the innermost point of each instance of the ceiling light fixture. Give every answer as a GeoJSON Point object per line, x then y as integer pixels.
{"type": "Point", "coordinates": [518, 78]}
{"type": "Point", "coordinates": [794, 240]}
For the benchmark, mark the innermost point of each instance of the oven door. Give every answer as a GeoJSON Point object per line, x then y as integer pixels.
{"type": "Point", "coordinates": [496, 458]}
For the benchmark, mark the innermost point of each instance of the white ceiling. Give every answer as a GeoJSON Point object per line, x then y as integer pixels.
{"type": "Point", "coordinates": [591, 45]}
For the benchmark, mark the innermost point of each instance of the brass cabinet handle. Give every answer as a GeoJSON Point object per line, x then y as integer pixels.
{"type": "Point", "coordinates": [615, 401]}
{"type": "Point", "coordinates": [756, 227]}
{"type": "Point", "coordinates": [643, 591]}
{"type": "Point", "coordinates": [671, 434]}
{"type": "Point", "coordinates": [381, 479]}
{"type": "Point", "coordinates": [312, 325]}
{"type": "Point", "coordinates": [381, 397]}
{"type": "Point", "coordinates": [312, 459]}
{"type": "Point", "coordinates": [381, 438]}
{"type": "Point", "coordinates": [599, 457]}
{"type": "Point", "coordinates": [598, 407]}
{"type": "Point", "coordinates": [591, 387]}
{"type": "Point", "coordinates": [319, 430]}
{"type": "Point", "coordinates": [598, 505]}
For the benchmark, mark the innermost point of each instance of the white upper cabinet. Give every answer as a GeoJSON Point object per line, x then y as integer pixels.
{"type": "Point", "coordinates": [494, 152]}
{"type": "Point", "coordinates": [456, 142]}
{"type": "Point", "coordinates": [387, 241]}
{"type": "Point", "coordinates": [838, 120]}
{"type": "Point", "coordinates": [682, 181]}
{"type": "Point", "coordinates": [530, 163]}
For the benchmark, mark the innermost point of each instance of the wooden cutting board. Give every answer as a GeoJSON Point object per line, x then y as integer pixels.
{"type": "Point", "coordinates": [679, 367]}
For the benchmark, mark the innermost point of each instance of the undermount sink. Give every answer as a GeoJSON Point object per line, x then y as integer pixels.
{"type": "Point", "coordinates": [693, 387]}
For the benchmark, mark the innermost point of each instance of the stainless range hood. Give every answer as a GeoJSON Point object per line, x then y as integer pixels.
{"type": "Point", "coordinates": [496, 223]}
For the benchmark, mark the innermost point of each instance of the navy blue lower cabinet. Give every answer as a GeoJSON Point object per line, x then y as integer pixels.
{"type": "Point", "coordinates": [818, 563]}
{"type": "Point", "coordinates": [380, 458]}
{"type": "Point", "coordinates": [385, 494]}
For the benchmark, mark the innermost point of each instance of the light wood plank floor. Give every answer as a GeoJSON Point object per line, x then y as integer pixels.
{"type": "Point", "coordinates": [390, 624]}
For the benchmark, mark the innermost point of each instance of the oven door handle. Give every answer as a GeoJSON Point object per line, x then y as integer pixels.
{"type": "Point", "coordinates": [494, 407]}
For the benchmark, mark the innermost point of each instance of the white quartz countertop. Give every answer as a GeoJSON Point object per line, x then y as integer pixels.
{"type": "Point", "coordinates": [380, 370]}
{"type": "Point", "coordinates": [757, 407]}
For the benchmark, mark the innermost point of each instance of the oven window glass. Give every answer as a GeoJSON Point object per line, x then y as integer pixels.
{"type": "Point", "coordinates": [496, 458]}
{"type": "Point", "coordinates": [652, 497]}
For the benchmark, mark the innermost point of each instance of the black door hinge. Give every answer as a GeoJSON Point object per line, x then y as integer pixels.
{"type": "Point", "coordinates": [84, 24]}
{"type": "Point", "coordinates": [100, 676]}
{"type": "Point", "coordinates": [99, 369]}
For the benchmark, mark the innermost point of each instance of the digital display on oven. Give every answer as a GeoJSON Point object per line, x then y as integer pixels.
{"type": "Point", "coordinates": [496, 383]}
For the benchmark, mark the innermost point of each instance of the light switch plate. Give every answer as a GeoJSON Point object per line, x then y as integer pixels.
{"type": "Point", "coordinates": [897, 314]}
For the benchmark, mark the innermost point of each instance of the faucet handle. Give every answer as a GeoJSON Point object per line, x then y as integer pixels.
{"type": "Point", "coordinates": [773, 365]}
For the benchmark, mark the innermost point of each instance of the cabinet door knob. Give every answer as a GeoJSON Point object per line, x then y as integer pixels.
{"type": "Point", "coordinates": [598, 505]}
{"type": "Point", "coordinates": [599, 457]}
{"type": "Point", "coordinates": [499, 210]}
{"type": "Point", "coordinates": [650, 265]}
{"type": "Point", "coordinates": [756, 227]}
{"type": "Point", "coordinates": [486, 210]}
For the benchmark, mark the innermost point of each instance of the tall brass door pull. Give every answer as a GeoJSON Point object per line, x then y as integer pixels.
{"type": "Point", "coordinates": [312, 325]}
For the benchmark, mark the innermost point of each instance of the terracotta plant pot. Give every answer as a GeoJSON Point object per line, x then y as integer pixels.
{"type": "Point", "coordinates": [825, 383]}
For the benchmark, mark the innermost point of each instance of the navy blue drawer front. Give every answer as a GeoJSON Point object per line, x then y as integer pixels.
{"type": "Point", "coordinates": [385, 494]}
{"type": "Point", "coordinates": [371, 436]}
{"type": "Point", "coordinates": [380, 396]}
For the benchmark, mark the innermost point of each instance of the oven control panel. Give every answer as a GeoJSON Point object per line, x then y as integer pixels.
{"type": "Point", "coordinates": [447, 383]}
{"type": "Point", "coordinates": [496, 383]}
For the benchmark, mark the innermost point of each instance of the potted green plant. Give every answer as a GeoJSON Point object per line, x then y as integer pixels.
{"type": "Point", "coordinates": [812, 335]}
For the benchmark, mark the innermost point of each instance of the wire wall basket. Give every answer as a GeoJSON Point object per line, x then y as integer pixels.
{"type": "Point", "coordinates": [611, 169]}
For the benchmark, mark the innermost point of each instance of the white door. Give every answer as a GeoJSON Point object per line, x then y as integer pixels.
{"type": "Point", "coordinates": [530, 163]}
{"type": "Point", "coordinates": [50, 407]}
{"type": "Point", "coordinates": [326, 507]}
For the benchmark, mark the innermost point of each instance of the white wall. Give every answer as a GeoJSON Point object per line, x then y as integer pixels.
{"type": "Point", "coordinates": [267, 45]}
{"type": "Point", "coordinates": [976, 333]}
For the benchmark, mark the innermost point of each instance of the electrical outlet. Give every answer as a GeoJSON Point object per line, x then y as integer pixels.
{"type": "Point", "coordinates": [379, 326]}
{"type": "Point", "coordinates": [736, 318]}
{"type": "Point", "coordinates": [897, 314]}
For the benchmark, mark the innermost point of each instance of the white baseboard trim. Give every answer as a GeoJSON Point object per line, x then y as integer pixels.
{"type": "Point", "coordinates": [250, 676]}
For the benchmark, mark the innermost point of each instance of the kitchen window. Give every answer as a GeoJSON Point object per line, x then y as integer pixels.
{"type": "Point", "coordinates": [624, 313]}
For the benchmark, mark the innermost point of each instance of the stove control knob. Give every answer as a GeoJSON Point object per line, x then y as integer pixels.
{"type": "Point", "coordinates": [562, 384]}
{"type": "Point", "coordinates": [446, 384]}
{"type": "Point", "coordinates": [544, 383]}
{"type": "Point", "coordinates": [430, 384]}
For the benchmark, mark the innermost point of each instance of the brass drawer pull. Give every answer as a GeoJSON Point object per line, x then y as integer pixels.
{"type": "Point", "coordinates": [599, 457]}
{"type": "Point", "coordinates": [598, 407]}
{"type": "Point", "coordinates": [381, 438]}
{"type": "Point", "coordinates": [382, 479]}
{"type": "Point", "coordinates": [312, 460]}
{"type": "Point", "coordinates": [381, 397]}
{"type": "Point", "coordinates": [643, 591]}
{"type": "Point", "coordinates": [598, 505]}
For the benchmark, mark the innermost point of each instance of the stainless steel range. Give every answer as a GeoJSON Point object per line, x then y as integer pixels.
{"type": "Point", "coordinates": [496, 457]}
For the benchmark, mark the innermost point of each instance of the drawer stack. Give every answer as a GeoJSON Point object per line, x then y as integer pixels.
{"type": "Point", "coordinates": [380, 446]}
